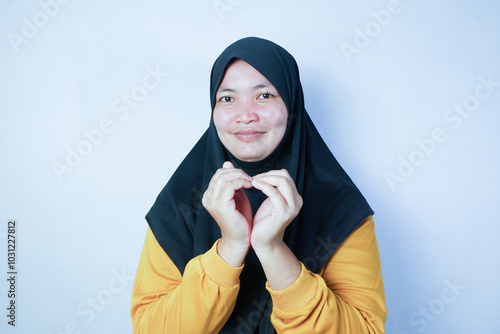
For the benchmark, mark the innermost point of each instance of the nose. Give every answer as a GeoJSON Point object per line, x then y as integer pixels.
{"type": "Point", "coordinates": [247, 112]}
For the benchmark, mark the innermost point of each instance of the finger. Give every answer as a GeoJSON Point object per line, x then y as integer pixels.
{"type": "Point", "coordinates": [273, 193]}
{"type": "Point", "coordinates": [275, 177]}
{"type": "Point", "coordinates": [217, 197]}
{"type": "Point", "coordinates": [227, 164]}
{"type": "Point", "coordinates": [279, 172]}
{"type": "Point", "coordinates": [227, 193]}
{"type": "Point", "coordinates": [284, 185]}
{"type": "Point", "coordinates": [227, 174]}
{"type": "Point", "coordinates": [224, 189]}
{"type": "Point", "coordinates": [219, 181]}
{"type": "Point", "coordinates": [275, 180]}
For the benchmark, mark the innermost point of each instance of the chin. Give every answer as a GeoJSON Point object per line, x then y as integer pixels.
{"type": "Point", "coordinates": [249, 153]}
{"type": "Point", "coordinates": [250, 157]}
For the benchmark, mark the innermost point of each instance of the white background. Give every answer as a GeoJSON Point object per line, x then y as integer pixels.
{"type": "Point", "coordinates": [377, 87]}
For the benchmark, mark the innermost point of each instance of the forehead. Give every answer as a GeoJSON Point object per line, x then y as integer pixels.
{"type": "Point", "coordinates": [239, 73]}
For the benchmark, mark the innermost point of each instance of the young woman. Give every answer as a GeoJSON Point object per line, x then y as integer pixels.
{"type": "Point", "coordinates": [259, 230]}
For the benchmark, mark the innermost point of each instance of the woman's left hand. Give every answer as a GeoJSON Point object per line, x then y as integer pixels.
{"type": "Point", "coordinates": [277, 211]}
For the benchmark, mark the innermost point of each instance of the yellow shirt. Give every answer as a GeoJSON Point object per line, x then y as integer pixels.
{"type": "Point", "coordinates": [347, 296]}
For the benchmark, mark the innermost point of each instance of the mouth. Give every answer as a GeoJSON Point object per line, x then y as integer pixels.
{"type": "Point", "coordinates": [248, 135]}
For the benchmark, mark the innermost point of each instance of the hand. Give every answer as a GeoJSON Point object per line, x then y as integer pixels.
{"type": "Point", "coordinates": [277, 211]}
{"type": "Point", "coordinates": [227, 203]}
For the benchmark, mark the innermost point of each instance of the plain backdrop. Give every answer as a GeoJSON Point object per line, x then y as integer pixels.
{"type": "Point", "coordinates": [101, 100]}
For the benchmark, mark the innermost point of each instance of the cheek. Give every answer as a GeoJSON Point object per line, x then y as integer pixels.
{"type": "Point", "coordinates": [221, 121]}
{"type": "Point", "coordinates": [280, 118]}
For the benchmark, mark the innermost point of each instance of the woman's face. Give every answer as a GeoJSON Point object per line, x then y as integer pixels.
{"type": "Point", "coordinates": [249, 114]}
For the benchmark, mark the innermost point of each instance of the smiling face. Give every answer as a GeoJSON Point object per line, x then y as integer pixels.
{"type": "Point", "coordinates": [249, 114]}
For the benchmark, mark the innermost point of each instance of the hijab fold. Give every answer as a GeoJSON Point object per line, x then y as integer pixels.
{"type": "Point", "coordinates": [333, 206]}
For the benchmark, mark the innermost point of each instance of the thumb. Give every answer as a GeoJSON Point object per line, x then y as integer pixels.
{"type": "Point", "coordinates": [227, 164]}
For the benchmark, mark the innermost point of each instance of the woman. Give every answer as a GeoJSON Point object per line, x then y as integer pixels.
{"type": "Point", "coordinates": [259, 229]}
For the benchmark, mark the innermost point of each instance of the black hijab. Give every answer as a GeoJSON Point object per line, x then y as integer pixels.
{"type": "Point", "coordinates": [333, 207]}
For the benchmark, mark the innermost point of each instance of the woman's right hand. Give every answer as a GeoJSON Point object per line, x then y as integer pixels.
{"type": "Point", "coordinates": [227, 203]}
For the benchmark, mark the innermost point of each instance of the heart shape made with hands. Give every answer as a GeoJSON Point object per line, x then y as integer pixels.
{"type": "Point", "coordinates": [264, 226]}
{"type": "Point", "coordinates": [279, 208]}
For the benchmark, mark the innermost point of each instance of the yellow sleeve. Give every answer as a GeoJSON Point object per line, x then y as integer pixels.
{"type": "Point", "coordinates": [347, 296]}
{"type": "Point", "coordinates": [200, 301]}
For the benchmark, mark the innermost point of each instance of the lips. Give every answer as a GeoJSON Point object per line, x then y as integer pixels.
{"type": "Point", "coordinates": [248, 135]}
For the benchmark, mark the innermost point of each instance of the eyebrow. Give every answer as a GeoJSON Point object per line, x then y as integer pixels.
{"type": "Point", "coordinates": [230, 90]}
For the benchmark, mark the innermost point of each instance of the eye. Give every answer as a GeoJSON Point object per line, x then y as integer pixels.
{"type": "Point", "coordinates": [226, 99]}
{"type": "Point", "coordinates": [266, 96]}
